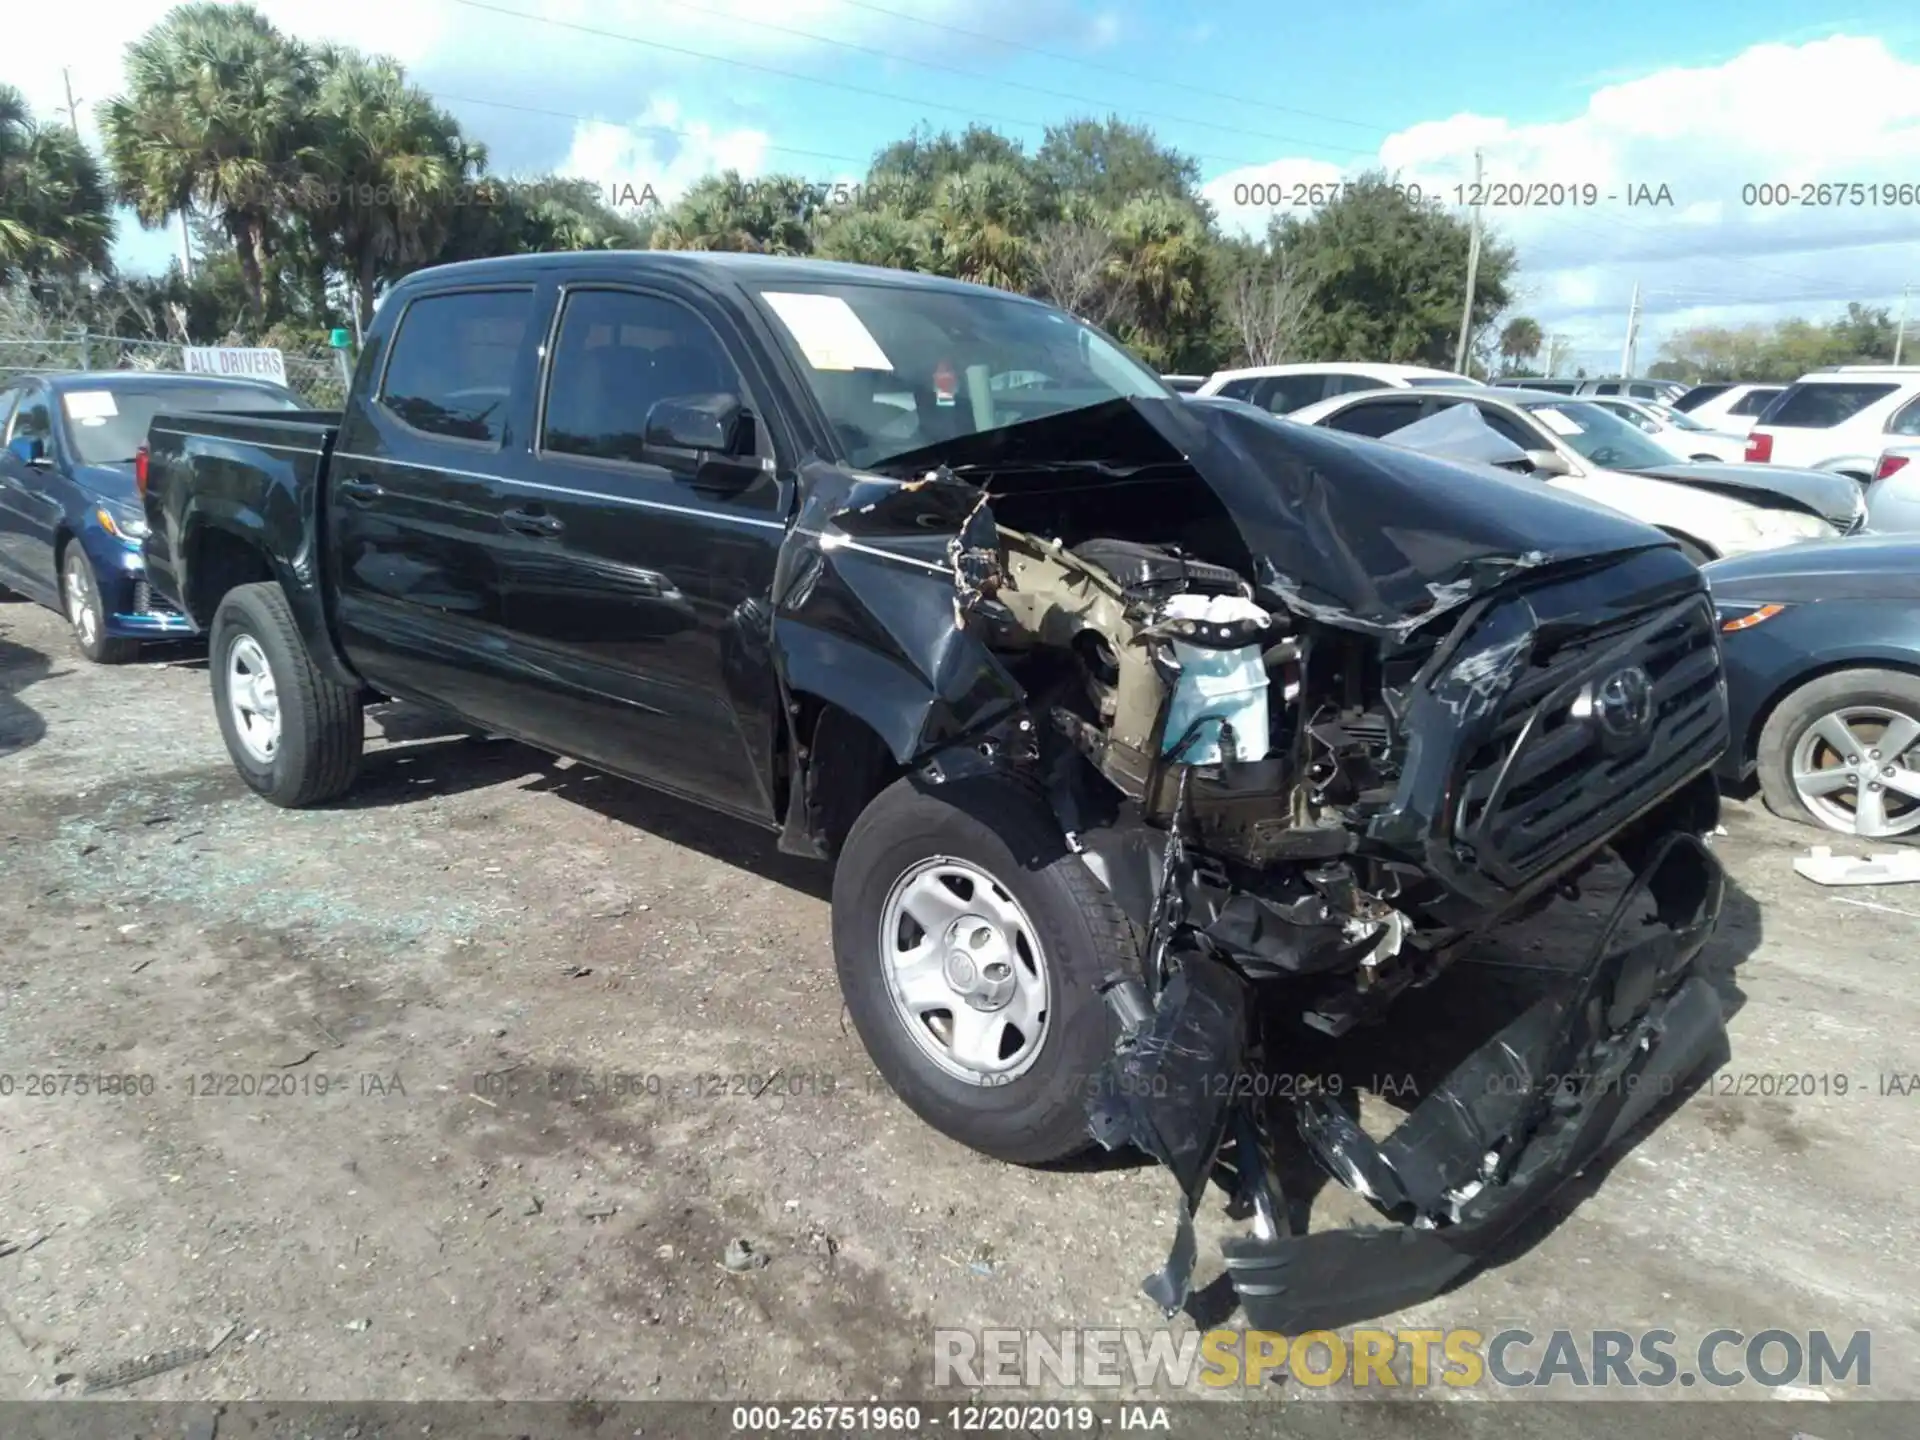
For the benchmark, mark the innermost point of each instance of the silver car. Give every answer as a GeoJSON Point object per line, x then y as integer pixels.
{"type": "Point", "coordinates": [1893, 495]}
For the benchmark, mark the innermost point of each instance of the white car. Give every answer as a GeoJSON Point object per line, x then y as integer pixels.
{"type": "Point", "coordinates": [1674, 430]}
{"type": "Point", "coordinates": [1728, 406]}
{"type": "Point", "coordinates": [1893, 499]}
{"type": "Point", "coordinates": [1840, 419]}
{"type": "Point", "coordinates": [1282, 389]}
{"type": "Point", "coordinates": [1576, 447]}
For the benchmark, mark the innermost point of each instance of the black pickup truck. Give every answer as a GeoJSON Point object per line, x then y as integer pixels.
{"type": "Point", "coordinates": [1156, 742]}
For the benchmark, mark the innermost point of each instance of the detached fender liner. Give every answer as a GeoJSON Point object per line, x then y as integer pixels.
{"type": "Point", "coordinates": [1523, 1114]}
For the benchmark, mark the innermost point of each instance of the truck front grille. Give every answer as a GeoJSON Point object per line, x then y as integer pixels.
{"type": "Point", "coordinates": [1565, 766]}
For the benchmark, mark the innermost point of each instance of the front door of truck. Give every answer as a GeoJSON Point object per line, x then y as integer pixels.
{"type": "Point", "coordinates": [638, 574]}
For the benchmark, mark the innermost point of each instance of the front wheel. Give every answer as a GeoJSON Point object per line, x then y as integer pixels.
{"type": "Point", "coordinates": [971, 946]}
{"type": "Point", "coordinates": [86, 611]}
{"type": "Point", "coordinates": [1843, 752]}
{"type": "Point", "coordinates": [295, 736]}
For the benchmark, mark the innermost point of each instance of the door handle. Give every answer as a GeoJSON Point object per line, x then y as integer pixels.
{"type": "Point", "coordinates": [354, 488]}
{"type": "Point", "coordinates": [527, 522]}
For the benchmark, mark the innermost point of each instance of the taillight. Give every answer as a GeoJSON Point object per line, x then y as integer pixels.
{"type": "Point", "coordinates": [140, 470]}
{"type": "Point", "coordinates": [1889, 464]}
{"type": "Point", "coordinates": [1759, 448]}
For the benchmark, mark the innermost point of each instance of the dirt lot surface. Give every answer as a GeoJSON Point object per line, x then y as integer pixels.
{"type": "Point", "coordinates": [477, 922]}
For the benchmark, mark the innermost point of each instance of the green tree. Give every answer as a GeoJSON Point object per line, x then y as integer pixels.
{"type": "Point", "coordinates": [1108, 162]}
{"type": "Point", "coordinates": [219, 116]}
{"type": "Point", "coordinates": [1389, 273]}
{"type": "Point", "coordinates": [723, 212]}
{"type": "Point", "coordinates": [391, 169]}
{"type": "Point", "coordinates": [876, 237]}
{"type": "Point", "coordinates": [982, 222]}
{"type": "Point", "coordinates": [1520, 341]}
{"type": "Point", "coordinates": [906, 174]}
{"type": "Point", "coordinates": [1166, 255]}
{"type": "Point", "coordinates": [55, 215]}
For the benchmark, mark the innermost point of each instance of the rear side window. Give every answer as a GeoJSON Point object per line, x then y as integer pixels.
{"type": "Point", "coordinates": [1607, 388]}
{"type": "Point", "coordinates": [1754, 401]}
{"type": "Point", "coordinates": [619, 354]}
{"type": "Point", "coordinates": [1287, 393]}
{"type": "Point", "coordinates": [451, 370]}
{"type": "Point", "coordinates": [1822, 405]}
{"type": "Point", "coordinates": [1699, 395]}
{"type": "Point", "coordinates": [1381, 417]}
{"type": "Point", "coordinates": [1906, 420]}
{"type": "Point", "coordinates": [1237, 390]}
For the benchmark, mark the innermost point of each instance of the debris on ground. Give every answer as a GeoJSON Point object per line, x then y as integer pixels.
{"type": "Point", "coordinates": [1823, 867]}
{"type": "Point", "coordinates": [740, 1256]}
{"type": "Point", "coordinates": [21, 1247]}
{"type": "Point", "coordinates": [144, 1367]}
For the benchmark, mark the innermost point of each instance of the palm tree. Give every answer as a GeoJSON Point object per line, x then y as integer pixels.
{"type": "Point", "coordinates": [218, 116]}
{"type": "Point", "coordinates": [55, 217]}
{"type": "Point", "coordinates": [1166, 254]}
{"type": "Point", "coordinates": [392, 167]}
{"type": "Point", "coordinates": [982, 218]}
{"type": "Point", "coordinates": [725, 212]}
{"type": "Point", "coordinates": [877, 237]}
{"type": "Point", "coordinates": [1521, 339]}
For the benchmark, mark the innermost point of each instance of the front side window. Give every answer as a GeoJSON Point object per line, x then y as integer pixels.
{"type": "Point", "coordinates": [618, 355]}
{"type": "Point", "coordinates": [1754, 401]}
{"type": "Point", "coordinates": [1375, 418]}
{"type": "Point", "coordinates": [451, 370]}
{"type": "Point", "coordinates": [1237, 389]}
{"type": "Point", "coordinates": [1507, 428]}
{"type": "Point", "coordinates": [35, 420]}
{"type": "Point", "coordinates": [861, 346]}
{"type": "Point", "coordinates": [1823, 404]}
{"type": "Point", "coordinates": [1605, 440]}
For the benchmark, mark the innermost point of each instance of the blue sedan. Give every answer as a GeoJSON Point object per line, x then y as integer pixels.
{"type": "Point", "coordinates": [70, 519]}
{"type": "Point", "coordinates": [1822, 647]}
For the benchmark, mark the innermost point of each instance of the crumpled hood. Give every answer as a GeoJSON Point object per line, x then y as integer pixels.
{"type": "Point", "coordinates": [1834, 498]}
{"type": "Point", "coordinates": [1351, 532]}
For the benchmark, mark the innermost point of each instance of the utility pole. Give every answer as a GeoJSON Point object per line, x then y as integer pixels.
{"type": "Point", "coordinates": [1473, 273]}
{"type": "Point", "coordinates": [1553, 353]}
{"type": "Point", "coordinates": [186, 246]}
{"type": "Point", "coordinates": [1633, 326]}
{"type": "Point", "coordinates": [1900, 330]}
{"type": "Point", "coordinates": [73, 106]}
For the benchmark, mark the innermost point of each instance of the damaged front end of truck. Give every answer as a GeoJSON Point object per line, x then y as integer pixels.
{"type": "Point", "coordinates": [1316, 712]}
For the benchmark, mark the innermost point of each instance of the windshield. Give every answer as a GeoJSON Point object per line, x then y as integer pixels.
{"type": "Point", "coordinates": [898, 368]}
{"type": "Point", "coordinates": [105, 425]}
{"type": "Point", "coordinates": [1598, 437]}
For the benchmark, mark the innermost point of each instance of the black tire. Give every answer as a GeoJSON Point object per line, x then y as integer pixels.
{"type": "Point", "coordinates": [1008, 832]}
{"type": "Point", "coordinates": [85, 611]}
{"type": "Point", "coordinates": [1894, 690]}
{"type": "Point", "coordinates": [322, 730]}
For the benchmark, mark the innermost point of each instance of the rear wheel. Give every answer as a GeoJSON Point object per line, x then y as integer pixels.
{"type": "Point", "coordinates": [86, 611]}
{"type": "Point", "coordinates": [295, 736]}
{"type": "Point", "coordinates": [971, 946]}
{"type": "Point", "coordinates": [1843, 752]}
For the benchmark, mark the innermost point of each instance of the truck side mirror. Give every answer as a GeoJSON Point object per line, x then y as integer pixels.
{"type": "Point", "coordinates": [710, 423]}
{"type": "Point", "coordinates": [28, 449]}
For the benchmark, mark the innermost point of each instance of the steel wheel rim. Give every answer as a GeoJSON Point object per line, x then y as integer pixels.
{"type": "Point", "coordinates": [1857, 770]}
{"type": "Point", "coordinates": [80, 607]}
{"type": "Point", "coordinates": [253, 700]}
{"type": "Point", "coordinates": [965, 971]}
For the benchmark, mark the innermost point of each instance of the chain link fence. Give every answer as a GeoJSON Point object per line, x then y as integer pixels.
{"type": "Point", "coordinates": [317, 374]}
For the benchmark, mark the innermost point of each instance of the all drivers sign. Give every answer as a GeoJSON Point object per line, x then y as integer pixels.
{"type": "Point", "coordinates": [260, 364]}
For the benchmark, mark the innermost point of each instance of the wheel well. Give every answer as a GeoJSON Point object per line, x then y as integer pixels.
{"type": "Point", "coordinates": [1750, 744]}
{"type": "Point", "coordinates": [62, 537]}
{"type": "Point", "coordinates": [842, 762]}
{"type": "Point", "coordinates": [220, 561]}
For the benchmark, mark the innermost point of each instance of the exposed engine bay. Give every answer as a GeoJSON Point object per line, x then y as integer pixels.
{"type": "Point", "coordinates": [1314, 732]}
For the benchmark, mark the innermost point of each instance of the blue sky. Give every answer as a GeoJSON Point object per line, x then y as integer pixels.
{"type": "Point", "coordinates": [1702, 99]}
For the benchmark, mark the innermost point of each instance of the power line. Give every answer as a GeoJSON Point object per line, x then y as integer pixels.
{"type": "Point", "coordinates": [765, 69]}
{"type": "Point", "coordinates": [1098, 103]}
{"type": "Point", "coordinates": [1207, 91]}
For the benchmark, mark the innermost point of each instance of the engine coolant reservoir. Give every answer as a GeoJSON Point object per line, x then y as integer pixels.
{"type": "Point", "coordinates": [1219, 686]}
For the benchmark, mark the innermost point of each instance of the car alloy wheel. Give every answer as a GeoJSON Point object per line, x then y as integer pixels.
{"type": "Point", "coordinates": [83, 598]}
{"type": "Point", "coordinates": [1857, 770]}
{"type": "Point", "coordinates": [965, 970]}
{"type": "Point", "coordinates": [253, 700]}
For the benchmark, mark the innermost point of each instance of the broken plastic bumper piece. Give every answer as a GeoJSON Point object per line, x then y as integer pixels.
{"type": "Point", "coordinates": [1523, 1114]}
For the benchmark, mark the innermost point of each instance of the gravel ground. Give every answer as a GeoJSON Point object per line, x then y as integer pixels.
{"type": "Point", "coordinates": [478, 919]}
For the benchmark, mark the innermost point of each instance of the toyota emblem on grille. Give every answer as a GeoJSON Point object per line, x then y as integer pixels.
{"type": "Point", "coordinates": [1621, 705]}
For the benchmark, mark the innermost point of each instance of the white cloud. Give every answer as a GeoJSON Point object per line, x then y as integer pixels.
{"type": "Point", "coordinates": [1836, 110]}
{"type": "Point", "coordinates": [661, 150]}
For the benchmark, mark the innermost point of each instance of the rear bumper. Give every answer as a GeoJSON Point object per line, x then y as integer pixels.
{"type": "Point", "coordinates": [1523, 1114]}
